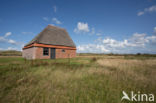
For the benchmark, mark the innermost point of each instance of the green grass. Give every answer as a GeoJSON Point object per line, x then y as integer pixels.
{"type": "Point", "coordinates": [77, 80]}
{"type": "Point", "coordinates": [10, 53]}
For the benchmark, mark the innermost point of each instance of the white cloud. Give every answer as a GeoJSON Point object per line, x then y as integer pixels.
{"type": "Point", "coordinates": [136, 43]}
{"type": "Point", "coordinates": [140, 13]}
{"type": "Point", "coordinates": [55, 9]}
{"type": "Point", "coordinates": [150, 9]}
{"type": "Point", "coordinates": [7, 34]}
{"type": "Point", "coordinates": [9, 48]}
{"type": "Point", "coordinates": [81, 27]}
{"type": "Point", "coordinates": [138, 39]}
{"type": "Point", "coordinates": [4, 39]}
{"type": "Point", "coordinates": [92, 48]}
{"type": "Point", "coordinates": [11, 41]}
{"type": "Point", "coordinates": [15, 45]}
{"type": "Point", "coordinates": [27, 33]}
{"type": "Point", "coordinates": [55, 20]}
{"type": "Point", "coordinates": [98, 34]}
{"type": "Point", "coordinates": [147, 10]}
{"type": "Point", "coordinates": [84, 28]}
{"type": "Point", "coordinates": [152, 39]}
{"type": "Point", "coordinates": [112, 43]}
{"type": "Point", "coordinates": [12, 48]}
{"type": "Point", "coordinates": [93, 31]}
{"type": "Point", "coordinates": [45, 18]}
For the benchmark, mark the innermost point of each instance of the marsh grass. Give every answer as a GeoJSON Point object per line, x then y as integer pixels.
{"type": "Point", "coordinates": [82, 80]}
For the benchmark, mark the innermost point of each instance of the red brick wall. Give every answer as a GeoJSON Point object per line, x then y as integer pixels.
{"type": "Point", "coordinates": [67, 54]}
{"type": "Point", "coordinates": [58, 53]}
{"type": "Point", "coordinates": [37, 53]}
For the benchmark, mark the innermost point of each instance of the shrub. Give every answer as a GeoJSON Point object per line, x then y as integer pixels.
{"type": "Point", "coordinates": [94, 59]}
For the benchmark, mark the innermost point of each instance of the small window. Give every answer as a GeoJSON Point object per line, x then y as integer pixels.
{"type": "Point", "coordinates": [63, 50]}
{"type": "Point", "coordinates": [45, 51]}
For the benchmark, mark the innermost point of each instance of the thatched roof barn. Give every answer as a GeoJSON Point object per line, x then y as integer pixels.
{"type": "Point", "coordinates": [53, 42]}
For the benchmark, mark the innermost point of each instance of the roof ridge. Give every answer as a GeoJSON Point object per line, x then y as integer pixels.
{"type": "Point", "coordinates": [50, 25]}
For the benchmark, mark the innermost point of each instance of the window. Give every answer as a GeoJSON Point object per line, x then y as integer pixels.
{"type": "Point", "coordinates": [45, 51]}
{"type": "Point", "coordinates": [63, 50]}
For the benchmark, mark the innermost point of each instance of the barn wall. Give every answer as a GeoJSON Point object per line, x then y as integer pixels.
{"type": "Point", "coordinates": [37, 53]}
{"type": "Point", "coordinates": [58, 53]}
{"type": "Point", "coordinates": [67, 54]}
{"type": "Point", "coordinates": [29, 53]}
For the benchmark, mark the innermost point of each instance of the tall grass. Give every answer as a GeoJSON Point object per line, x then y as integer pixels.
{"type": "Point", "coordinates": [82, 80]}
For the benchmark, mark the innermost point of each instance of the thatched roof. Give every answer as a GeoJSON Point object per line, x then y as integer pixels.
{"type": "Point", "coordinates": [54, 36]}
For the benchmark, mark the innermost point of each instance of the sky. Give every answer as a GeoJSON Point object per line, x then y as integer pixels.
{"type": "Point", "coordinates": [95, 26]}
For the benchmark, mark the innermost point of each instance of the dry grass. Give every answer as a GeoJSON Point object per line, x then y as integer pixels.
{"type": "Point", "coordinates": [126, 63]}
{"type": "Point", "coordinates": [89, 79]}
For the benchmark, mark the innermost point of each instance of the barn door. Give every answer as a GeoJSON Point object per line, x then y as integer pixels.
{"type": "Point", "coordinates": [52, 56]}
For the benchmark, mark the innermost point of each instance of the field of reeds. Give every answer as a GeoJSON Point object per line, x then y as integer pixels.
{"type": "Point", "coordinates": [84, 79]}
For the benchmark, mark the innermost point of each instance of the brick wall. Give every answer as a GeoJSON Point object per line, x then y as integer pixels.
{"type": "Point", "coordinates": [37, 53]}
{"type": "Point", "coordinates": [29, 53]}
{"type": "Point", "coordinates": [67, 54]}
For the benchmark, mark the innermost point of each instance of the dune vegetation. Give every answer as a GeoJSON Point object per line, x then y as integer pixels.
{"type": "Point", "coordinates": [10, 53]}
{"type": "Point", "coordinates": [84, 79]}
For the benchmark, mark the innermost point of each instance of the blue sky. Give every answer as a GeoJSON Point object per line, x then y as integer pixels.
{"type": "Point", "coordinates": [96, 26]}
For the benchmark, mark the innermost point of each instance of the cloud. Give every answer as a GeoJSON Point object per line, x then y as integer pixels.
{"type": "Point", "coordinates": [112, 43]}
{"type": "Point", "coordinates": [139, 39]}
{"type": "Point", "coordinates": [98, 34]}
{"type": "Point", "coordinates": [92, 48]}
{"type": "Point", "coordinates": [152, 39]}
{"type": "Point", "coordinates": [138, 42]}
{"type": "Point", "coordinates": [27, 33]}
{"type": "Point", "coordinates": [151, 9]}
{"type": "Point", "coordinates": [93, 31]}
{"type": "Point", "coordinates": [55, 9]}
{"type": "Point", "coordinates": [147, 10]}
{"type": "Point", "coordinates": [12, 48]}
{"type": "Point", "coordinates": [140, 13]}
{"type": "Point", "coordinates": [7, 34]}
{"type": "Point", "coordinates": [45, 19]}
{"type": "Point", "coordinates": [11, 41]}
{"type": "Point", "coordinates": [81, 28]}
{"type": "Point", "coordinates": [56, 21]}
{"type": "Point", "coordinates": [4, 39]}
{"type": "Point", "coordinates": [14, 44]}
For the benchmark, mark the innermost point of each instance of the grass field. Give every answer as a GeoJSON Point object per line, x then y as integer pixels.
{"type": "Point", "coordinates": [10, 53]}
{"type": "Point", "coordinates": [84, 79]}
